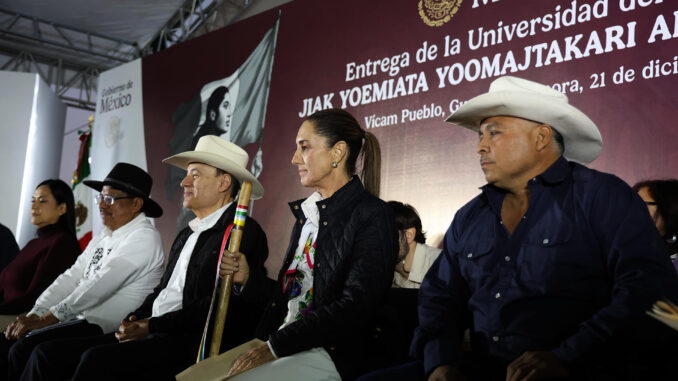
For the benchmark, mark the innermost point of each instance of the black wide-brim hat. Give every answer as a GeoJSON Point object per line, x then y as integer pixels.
{"type": "Point", "coordinates": [132, 180]}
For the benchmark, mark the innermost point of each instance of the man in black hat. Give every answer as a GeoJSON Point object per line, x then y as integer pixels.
{"type": "Point", "coordinates": [119, 267]}
{"type": "Point", "coordinates": [161, 337]}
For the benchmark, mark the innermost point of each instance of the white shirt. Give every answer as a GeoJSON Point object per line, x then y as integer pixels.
{"type": "Point", "coordinates": [171, 298]}
{"type": "Point", "coordinates": [303, 262]}
{"type": "Point", "coordinates": [424, 256]}
{"type": "Point", "coordinates": [111, 278]}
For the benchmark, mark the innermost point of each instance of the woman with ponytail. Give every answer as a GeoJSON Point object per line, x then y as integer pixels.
{"type": "Point", "coordinates": [339, 263]}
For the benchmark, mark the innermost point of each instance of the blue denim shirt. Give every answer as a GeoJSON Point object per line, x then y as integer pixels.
{"type": "Point", "coordinates": [585, 260]}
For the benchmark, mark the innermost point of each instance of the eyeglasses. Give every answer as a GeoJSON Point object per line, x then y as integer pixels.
{"type": "Point", "coordinates": [108, 200]}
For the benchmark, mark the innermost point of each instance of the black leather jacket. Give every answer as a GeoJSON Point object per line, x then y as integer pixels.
{"type": "Point", "coordinates": [244, 310]}
{"type": "Point", "coordinates": [356, 250]}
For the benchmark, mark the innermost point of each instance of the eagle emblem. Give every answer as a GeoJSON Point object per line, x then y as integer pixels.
{"type": "Point", "coordinates": [438, 12]}
{"type": "Point", "coordinates": [80, 213]}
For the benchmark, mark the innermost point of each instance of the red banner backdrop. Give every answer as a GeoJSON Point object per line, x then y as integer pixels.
{"type": "Point", "coordinates": [400, 67]}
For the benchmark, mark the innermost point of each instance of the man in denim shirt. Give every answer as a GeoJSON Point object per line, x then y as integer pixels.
{"type": "Point", "coordinates": [552, 266]}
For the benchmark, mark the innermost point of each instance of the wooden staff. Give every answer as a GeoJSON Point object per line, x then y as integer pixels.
{"type": "Point", "coordinates": [227, 281]}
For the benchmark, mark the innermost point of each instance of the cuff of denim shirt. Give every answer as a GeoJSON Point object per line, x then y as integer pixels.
{"type": "Point", "coordinates": [579, 348]}
{"type": "Point", "coordinates": [566, 354]}
{"type": "Point", "coordinates": [441, 351]}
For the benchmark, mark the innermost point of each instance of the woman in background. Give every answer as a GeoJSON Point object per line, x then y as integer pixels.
{"type": "Point", "coordinates": [218, 116]}
{"type": "Point", "coordinates": [45, 257]}
{"type": "Point", "coordinates": [661, 197]}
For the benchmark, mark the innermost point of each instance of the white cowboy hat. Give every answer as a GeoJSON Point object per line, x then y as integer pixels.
{"type": "Point", "coordinates": [219, 153]}
{"type": "Point", "coordinates": [511, 96]}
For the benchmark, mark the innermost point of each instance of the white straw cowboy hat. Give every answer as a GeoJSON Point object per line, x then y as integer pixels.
{"type": "Point", "coordinates": [220, 153]}
{"type": "Point", "coordinates": [517, 97]}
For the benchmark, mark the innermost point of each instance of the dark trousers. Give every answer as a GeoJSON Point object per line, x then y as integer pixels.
{"type": "Point", "coordinates": [488, 369]}
{"type": "Point", "coordinates": [15, 354]}
{"type": "Point", "coordinates": [411, 371]}
{"type": "Point", "coordinates": [156, 357]}
{"type": "Point", "coordinates": [58, 359]}
{"type": "Point", "coordinates": [474, 369]}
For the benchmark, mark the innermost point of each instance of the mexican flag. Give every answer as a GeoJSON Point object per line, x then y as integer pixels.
{"type": "Point", "coordinates": [246, 93]}
{"type": "Point", "coordinates": [84, 207]}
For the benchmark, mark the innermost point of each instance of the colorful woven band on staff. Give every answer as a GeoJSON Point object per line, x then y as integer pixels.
{"type": "Point", "coordinates": [240, 214]}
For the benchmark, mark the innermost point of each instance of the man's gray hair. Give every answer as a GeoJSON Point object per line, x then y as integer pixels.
{"type": "Point", "coordinates": [235, 184]}
{"type": "Point", "coordinates": [557, 138]}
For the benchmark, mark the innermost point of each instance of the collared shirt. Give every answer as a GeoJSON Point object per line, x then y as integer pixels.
{"type": "Point", "coordinates": [171, 298]}
{"type": "Point", "coordinates": [424, 256]}
{"type": "Point", "coordinates": [112, 277]}
{"type": "Point", "coordinates": [299, 275]}
{"type": "Point", "coordinates": [584, 261]}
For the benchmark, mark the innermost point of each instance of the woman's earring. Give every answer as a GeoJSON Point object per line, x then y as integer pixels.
{"type": "Point", "coordinates": [334, 164]}
{"type": "Point", "coordinates": [213, 116]}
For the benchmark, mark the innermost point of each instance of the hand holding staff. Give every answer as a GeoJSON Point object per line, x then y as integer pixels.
{"type": "Point", "coordinates": [227, 281]}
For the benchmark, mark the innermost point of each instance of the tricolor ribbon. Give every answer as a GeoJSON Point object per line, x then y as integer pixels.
{"type": "Point", "coordinates": [240, 215]}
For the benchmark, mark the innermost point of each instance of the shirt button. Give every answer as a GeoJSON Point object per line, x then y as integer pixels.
{"type": "Point", "coordinates": [495, 338]}
{"type": "Point", "coordinates": [296, 207]}
{"type": "Point", "coordinates": [469, 255]}
{"type": "Point", "coordinates": [501, 222]}
{"type": "Point", "coordinates": [507, 258]}
{"type": "Point", "coordinates": [497, 295]}
{"type": "Point", "coordinates": [545, 241]}
{"type": "Point", "coordinates": [301, 221]}
{"type": "Point", "coordinates": [323, 206]}
{"type": "Point", "coordinates": [324, 223]}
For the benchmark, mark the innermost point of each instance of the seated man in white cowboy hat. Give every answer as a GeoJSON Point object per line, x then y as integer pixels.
{"type": "Point", "coordinates": [119, 267]}
{"type": "Point", "coordinates": [552, 266]}
{"type": "Point", "coordinates": [162, 336]}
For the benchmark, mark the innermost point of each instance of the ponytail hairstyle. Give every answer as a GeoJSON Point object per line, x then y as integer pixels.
{"type": "Point", "coordinates": [337, 125]}
{"type": "Point", "coordinates": [62, 193]}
